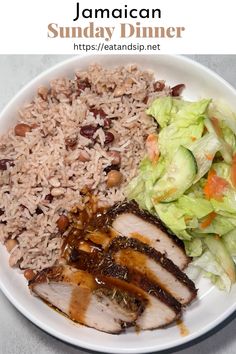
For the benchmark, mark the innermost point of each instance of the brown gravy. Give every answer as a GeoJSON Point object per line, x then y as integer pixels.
{"type": "Point", "coordinates": [80, 299]}
{"type": "Point", "coordinates": [141, 238]}
{"type": "Point", "coordinates": [184, 331]}
{"type": "Point", "coordinates": [89, 230]}
{"type": "Point", "coordinates": [137, 261]}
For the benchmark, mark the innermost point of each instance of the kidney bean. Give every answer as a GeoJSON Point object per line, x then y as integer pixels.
{"type": "Point", "coordinates": [49, 198]}
{"type": "Point", "coordinates": [38, 211]}
{"type": "Point", "coordinates": [107, 122]}
{"type": "Point", "coordinates": [158, 86]}
{"type": "Point", "coordinates": [82, 84]}
{"type": "Point", "coordinates": [71, 142]}
{"type": "Point", "coordinates": [88, 131]}
{"type": "Point", "coordinates": [116, 157]}
{"type": "Point", "coordinates": [21, 129]}
{"type": "Point", "coordinates": [4, 163]}
{"type": "Point", "coordinates": [111, 168]}
{"type": "Point", "coordinates": [34, 126]}
{"type": "Point", "coordinates": [98, 111]}
{"type": "Point", "coordinates": [109, 137]}
{"type": "Point", "coordinates": [63, 223]}
{"type": "Point", "coordinates": [177, 90]}
{"type": "Point", "coordinates": [2, 213]}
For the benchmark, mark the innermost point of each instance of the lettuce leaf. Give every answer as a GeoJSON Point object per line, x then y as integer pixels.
{"type": "Point", "coordinates": [162, 110]}
{"type": "Point", "coordinates": [140, 188]}
{"type": "Point", "coordinates": [230, 242]}
{"type": "Point", "coordinates": [217, 248]}
{"type": "Point", "coordinates": [172, 216]}
{"type": "Point", "coordinates": [213, 270]}
{"type": "Point", "coordinates": [181, 121]}
{"type": "Point", "coordinates": [225, 149]}
{"type": "Point", "coordinates": [226, 207]}
{"type": "Point", "coordinates": [223, 170]}
{"type": "Point", "coordinates": [224, 114]}
{"type": "Point", "coordinates": [193, 206]}
{"type": "Point", "coordinates": [219, 226]}
{"type": "Point", "coordinates": [171, 137]}
{"type": "Point", "coordinates": [204, 150]}
{"type": "Point", "coordinates": [182, 215]}
{"type": "Point", "coordinates": [167, 110]}
{"type": "Point", "coordinates": [194, 247]}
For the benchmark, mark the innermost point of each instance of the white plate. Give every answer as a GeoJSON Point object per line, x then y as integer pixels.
{"type": "Point", "coordinates": [212, 305]}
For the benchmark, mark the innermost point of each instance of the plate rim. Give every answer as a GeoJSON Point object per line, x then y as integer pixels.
{"type": "Point", "coordinates": [87, 345]}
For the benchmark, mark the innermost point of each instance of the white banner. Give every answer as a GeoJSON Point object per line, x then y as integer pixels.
{"type": "Point", "coordinates": [105, 26]}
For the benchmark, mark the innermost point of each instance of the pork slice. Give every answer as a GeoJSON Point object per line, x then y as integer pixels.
{"type": "Point", "coordinates": [87, 300]}
{"type": "Point", "coordinates": [161, 308]}
{"type": "Point", "coordinates": [139, 256]}
{"type": "Point", "coordinates": [130, 221]}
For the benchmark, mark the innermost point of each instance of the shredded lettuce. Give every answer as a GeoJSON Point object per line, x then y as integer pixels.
{"type": "Point", "coordinates": [230, 242]}
{"type": "Point", "coordinates": [223, 170]}
{"type": "Point", "coordinates": [224, 114]}
{"type": "Point", "coordinates": [204, 151]}
{"type": "Point", "coordinates": [220, 225]}
{"type": "Point", "coordinates": [140, 188]}
{"type": "Point", "coordinates": [221, 255]}
{"type": "Point", "coordinates": [192, 206]}
{"type": "Point", "coordinates": [194, 247]}
{"type": "Point", "coordinates": [225, 149]}
{"type": "Point", "coordinates": [162, 110]}
{"type": "Point", "coordinates": [212, 270]}
{"type": "Point", "coordinates": [208, 130]}
{"type": "Point", "coordinates": [171, 137]}
{"type": "Point", "coordinates": [167, 110]}
{"type": "Point", "coordinates": [182, 122]}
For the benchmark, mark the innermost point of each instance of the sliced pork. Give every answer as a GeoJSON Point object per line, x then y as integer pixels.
{"type": "Point", "coordinates": [161, 310]}
{"type": "Point", "coordinates": [89, 301]}
{"type": "Point", "coordinates": [139, 256]}
{"type": "Point", "coordinates": [130, 221]}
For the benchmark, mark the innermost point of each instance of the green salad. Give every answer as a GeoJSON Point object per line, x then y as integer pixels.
{"type": "Point", "coordinates": [188, 179]}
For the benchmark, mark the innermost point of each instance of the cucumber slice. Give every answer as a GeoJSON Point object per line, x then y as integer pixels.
{"type": "Point", "coordinates": [177, 179]}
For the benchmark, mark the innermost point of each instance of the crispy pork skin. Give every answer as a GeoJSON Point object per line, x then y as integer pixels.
{"type": "Point", "coordinates": [161, 309]}
{"type": "Point", "coordinates": [139, 256]}
{"type": "Point", "coordinates": [130, 221]}
{"type": "Point", "coordinates": [92, 302]}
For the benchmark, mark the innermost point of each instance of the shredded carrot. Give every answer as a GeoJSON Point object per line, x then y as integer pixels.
{"type": "Point", "coordinates": [216, 125]}
{"type": "Point", "coordinates": [210, 217]}
{"type": "Point", "coordinates": [215, 186]}
{"type": "Point", "coordinates": [152, 147]}
{"type": "Point", "coordinates": [193, 138]}
{"type": "Point", "coordinates": [209, 157]}
{"type": "Point", "coordinates": [164, 196]}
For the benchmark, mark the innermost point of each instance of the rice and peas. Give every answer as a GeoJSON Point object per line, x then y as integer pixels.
{"type": "Point", "coordinates": [86, 132]}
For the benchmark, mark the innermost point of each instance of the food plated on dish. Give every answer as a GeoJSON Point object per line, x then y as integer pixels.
{"type": "Point", "coordinates": [113, 187]}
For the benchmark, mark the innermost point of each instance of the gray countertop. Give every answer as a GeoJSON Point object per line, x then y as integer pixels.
{"type": "Point", "coordinates": [17, 334]}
